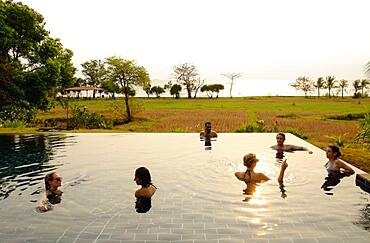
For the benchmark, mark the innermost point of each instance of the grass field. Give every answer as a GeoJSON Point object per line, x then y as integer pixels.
{"type": "Point", "coordinates": [309, 115]}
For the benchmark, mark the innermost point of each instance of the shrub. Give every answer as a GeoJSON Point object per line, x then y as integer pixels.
{"type": "Point", "coordinates": [364, 135]}
{"type": "Point", "coordinates": [251, 128]}
{"type": "Point", "coordinates": [339, 140]}
{"type": "Point", "coordinates": [349, 116]}
{"type": "Point", "coordinates": [13, 124]}
{"type": "Point", "coordinates": [289, 115]}
{"type": "Point", "coordinates": [89, 120]}
{"type": "Point", "coordinates": [17, 112]}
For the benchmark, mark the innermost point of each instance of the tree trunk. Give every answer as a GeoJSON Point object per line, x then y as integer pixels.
{"type": "Point", "coordinates": [231, 88]}
{"type": "Point", "coordinates": [189, 92]}
{"type": "Point", "coordinates": [128, 112]}
{"type": "Point", "coordinates": [342, 93]}
{"type": "Point", "coordinates": [329, 93]}
{"type": "Point", "coordinates": [318, 92]}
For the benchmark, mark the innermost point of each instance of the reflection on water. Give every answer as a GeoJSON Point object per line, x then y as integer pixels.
{"type": "Point", "coordinates": [24, 159]}
{"type": "Point", "coordinates": [332, 180]}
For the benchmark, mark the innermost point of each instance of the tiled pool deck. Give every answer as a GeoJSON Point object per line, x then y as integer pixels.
{"type": "Point", "coordinates": [186, 209]}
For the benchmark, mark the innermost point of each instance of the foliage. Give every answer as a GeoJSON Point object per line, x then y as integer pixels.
{"type": "Point", "coordinates": [367, 69]}
{"type": "Point", "coordinates": [33, 66]}
{"type": "Point", "coordinates": [186, 74]}
{"type": "Point", "coordinates": [211, 88]}
{"type": "Point", "coordinates": [94, 72]}
{"type": "Point", "coordinates": [364, 83]}
{"type": "Point", "coordinates": [13, 123]}
{"type": "Point", "coordinates": [18, 112]}
{"type": "Point", "coordinates": [348, 117]}
{"type": "Point", "coordinates": [330, 83]}
{"type": "Point", "coordinates": [232, 77]}
{"type": "Point", "coordinates": [320, 83]}
{"type": "Point", "coordinates": [297, 132]}
{"type": "Point", "coordinates": [127, 75]}
{"type": "Point", "coordinates": [110, 87]}
{"type": "Point", "coordinates": [157, 90]}
{"type": "Point", "coordinates": [304, 84]}
{"type": "Point", "coordinates": [289, 115]}
{"type": "Point", "coordinates": [356, 86]}
{"type": "Point", "coordinates": [251, 128]}
{"type": "Point", "coordinates": [83, 119]}
{"type": "Point", "coordinates": [175, 91]}
{"type": "Point", "coordinates": [343, 84]}
{"type": "Point", "coordinates": [339, 140]}
{"type": "Point", "coordinates": [364, 135]}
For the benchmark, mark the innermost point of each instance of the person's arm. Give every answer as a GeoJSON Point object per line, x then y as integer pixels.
{"type": "Point", "coordinates": [284, 165]}
{"type": "Point", "coordinates": [240, 175]}
{"type": "Point", "coordinates": [346, 168]}
{"type": "Point", "coordinates": [262, 177]}
{"type": "Point", "coordinates": [297, 148]}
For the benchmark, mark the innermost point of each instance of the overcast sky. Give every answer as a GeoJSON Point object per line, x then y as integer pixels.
{"type": "Point", "coordinates": [271, 42]}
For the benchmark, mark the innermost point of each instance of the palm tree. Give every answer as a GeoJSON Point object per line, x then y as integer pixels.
{"type": "Point", "coordinates": [356, 86]}
{"type": "Point", "coordinates": [363, 85]}
{"type": "Point", "coordinates": [343, 84]}
{"type": "Point", "coordinates": [330, 83]}
{"type": "Point", "coordinates": [320, 83]}
{"type": "Point", "coordinates": [232, 76]}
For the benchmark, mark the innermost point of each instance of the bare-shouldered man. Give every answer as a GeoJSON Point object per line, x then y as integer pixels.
{"type": "Point", "coordinates": [208, 132]}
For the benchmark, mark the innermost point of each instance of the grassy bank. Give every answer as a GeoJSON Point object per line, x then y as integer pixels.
{"type": "Point", "coordinates": [318, 119]}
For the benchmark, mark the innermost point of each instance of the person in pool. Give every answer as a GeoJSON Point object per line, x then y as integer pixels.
{"type": "Point", "coordinates": [250, 177]}
{"type": "Point", "coordinates": [144, 194]}
{"type": "Point", "coordinates": [281, 147]}
{"type": "Point", "coordinates": [334, 165]}
{"type": "Point", "coordinates": [53, 182]}
{"type": "Point", "coordinates": [208, 132]}
{"type": "Point", "coordinates": [336, 169]}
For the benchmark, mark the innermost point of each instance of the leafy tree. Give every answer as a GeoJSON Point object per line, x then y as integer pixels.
{"type": "Point", "coordinates": [186, 75]}
{"type": "Point", "coordinates": [356, 86]}
{"type": "Point", "coordinates": [146, 87]}
{"type": "Point", "coordinates": [304, 84]}
{"type": "Point", "coordinates": [33, 66]}
{"type": "Point", "coordinates": [175, 90]}
{"type": "Point", "coordinates": [320, 83]}
{"type": "Point", "coordinates": [211, 88]}
{"type": "Point", "coordinates": [343, 84]}
{"type": "Point", "coordinates": [94, 72]}
{"type": "Point", "coordinates": [232, 77]}
{"type": "Point", "coordinates": [364, 83]}
{"type": "Point", "coordinates": [157, 90]}
{"type": "Point", "coordinates": [110, 87]}
{"type": "Point", "coordinates": [330, 83]}
{"type": "Point", "coordinates": [126, 74]}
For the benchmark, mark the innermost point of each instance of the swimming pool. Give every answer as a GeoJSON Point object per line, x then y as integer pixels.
{"type": "Point", "coordinates": [198, 198]}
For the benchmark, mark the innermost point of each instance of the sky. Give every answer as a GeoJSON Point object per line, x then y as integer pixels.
{"type": "Point", "coordinates": [271, 42]}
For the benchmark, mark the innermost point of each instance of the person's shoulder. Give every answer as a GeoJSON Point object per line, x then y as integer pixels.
{"type": "Point", "coordinates": [262, 177]}
{"type": "Point", "coordinates": [214, 134]}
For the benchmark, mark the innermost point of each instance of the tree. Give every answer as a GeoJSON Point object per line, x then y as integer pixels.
{"type": "Point", "coordinates": [320, 83]}
{"type": "Point", "coordinates": [330, 83]}
{"type": "Point", "coordinates": [343, 84]}
{"type": "Point", "coordinates": [364, 83]}
{"type": "Point", "coordinates": [186, 75]}
{"type": "Point", "coordinates": [157, 90]}
{"type": "Point", "coordinates": [146, 87]}
{"type": "Point", "coordinates": [126, 74]}
{"type": "Point", "coordinates": [211, 88]}
{"type": "Point", "coordinates": [197, 85]}
{"type": "Point", "coordinates": [110, 87]}
{"type": "Point", "coordinates": [304, 84]}
{"type": "Point", "coordinates": [175, 90]}
{"type": "Point", "coordinates": [356, 86]}
{"type": "Point", "coordinates": [94, 72]}
{"type": "Point", "coordinates": [33, 66]}
{"type": "Point", "coordinates": [232, 77]}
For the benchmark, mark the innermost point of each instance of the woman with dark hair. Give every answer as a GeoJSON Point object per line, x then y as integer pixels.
{"type": "Point", "coordinates": [334, 165]}
{"type": "Point", "coordinates": [144, 194]}
{"type": "Point", "coordinates": [53, 182]}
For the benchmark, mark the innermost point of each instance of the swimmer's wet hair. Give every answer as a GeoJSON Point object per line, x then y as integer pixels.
{"type": "Point", "coordinates": [249, 159]}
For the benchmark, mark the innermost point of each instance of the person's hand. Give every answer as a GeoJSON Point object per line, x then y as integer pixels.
{"type": "Point", "coordinates": [43, 208]}
{"type": "Point", "coordinates": [310, 152]}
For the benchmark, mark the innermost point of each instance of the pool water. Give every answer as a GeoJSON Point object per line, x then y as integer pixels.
{"type": "Point", "coordinates": [198, 197]}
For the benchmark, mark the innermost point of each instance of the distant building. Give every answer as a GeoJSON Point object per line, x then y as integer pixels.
{"type": "Point", "coordinates": [85, 92]}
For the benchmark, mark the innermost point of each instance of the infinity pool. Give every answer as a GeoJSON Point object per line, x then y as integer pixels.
{"type": "Point", "coordinates": [198, 197]}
